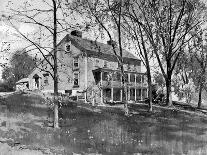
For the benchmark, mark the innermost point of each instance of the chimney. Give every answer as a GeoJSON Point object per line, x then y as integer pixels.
{"type": "Point", "coordinates": [110, 42]}
{"type": "Point", "coordinates": [76, 33]}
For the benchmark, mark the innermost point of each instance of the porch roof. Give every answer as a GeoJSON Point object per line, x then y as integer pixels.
{"type": "Point", "coordinates": [24, 80]}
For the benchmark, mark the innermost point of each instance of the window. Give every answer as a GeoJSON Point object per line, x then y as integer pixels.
{"type": "Point", "coordinates": [132, 94]}
{"type": "Point", "coordinates": [132, 67]}
{"type": "Point", "coordinates": [138, 92]}
{"type": "Point", "coordinates": [132, 77]}
{"type": "Point", "coordinates": [143, 79]}
{"type": "Point", "coordinates": [68, 92]}
{"type": "Point", "coordinates": [117, 76]}
{"type": "Point", "coordinates": [126, 77]}
{"type": "Point", "coordinates": [144, 93]}
{"type": "Point", "coordinates": [46, 79]}
{"type": "Point", "coordinates": [67, 47]}
{"type": "Point", "coordinates": [75, 62]}
{"type": "Point", "coordinates": [128, 67]}
{"type": "Point", "coordinates": [76, 79]}
{"type": "Point", "coordinates": [105, 63]}
{"type": "Point", "coordinates": [105, 76]}
{"type": "Point", "coordinates": [138, 78]}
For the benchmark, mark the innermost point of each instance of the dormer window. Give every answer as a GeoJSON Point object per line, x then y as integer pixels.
{"type": "Point", "coordinates": [75, 63]}
{"type": "Point", "coordinates": [76, 79]}
{"type": "Point", "coordinates": [46, 75]}
{"type": "Point", "coordinates": [105, 64]}
{"type": "Point", "coordinates": [128, 67]}
{"type": "Point", "coordinates": [67, 47]}
{"type": "Point", "coordinates": [132, 68]}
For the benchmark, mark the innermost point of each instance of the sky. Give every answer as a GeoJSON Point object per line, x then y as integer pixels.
{"type": "Point", "coordinates": [9, 35]}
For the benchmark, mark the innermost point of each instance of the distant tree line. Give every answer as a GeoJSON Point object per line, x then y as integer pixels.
{"type": "Point", "coordinates": [165, 30]}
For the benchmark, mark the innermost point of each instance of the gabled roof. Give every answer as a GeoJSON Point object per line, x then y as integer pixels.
{"type": "Point", "coordinates": [97, 49]}
{"type": "Point", "coordinates": [24, 80]}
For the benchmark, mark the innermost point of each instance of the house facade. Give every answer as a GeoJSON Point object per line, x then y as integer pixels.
{"type": "Point", "coordinates": [90, 70]}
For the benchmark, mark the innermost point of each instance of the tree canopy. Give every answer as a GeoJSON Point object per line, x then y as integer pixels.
{"type": "Point", "coordinates": [20, 66]}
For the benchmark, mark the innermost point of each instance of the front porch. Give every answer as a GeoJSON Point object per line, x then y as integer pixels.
{"type": "Point", "coordinates": [111, 86]}
{"type": "Point", "coordinates": [117, 94]}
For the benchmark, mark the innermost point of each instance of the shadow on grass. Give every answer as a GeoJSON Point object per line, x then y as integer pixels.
{"type": "Point", "coordinates": [159, 132]}
{"type": "Point", "coordinates": [110, 132]}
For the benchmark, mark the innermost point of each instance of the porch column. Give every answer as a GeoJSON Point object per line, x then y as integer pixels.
{"type": "Point", "coordinates": [141, 88]}
{"type": "Point", "coordinates": [101, 87]}
{"type": "Point", "coordinates": [112, 94]}
{"type": "Point", "coordinates": [147, 93]}
{"type": "Point", "coordinates": [101, 78]}
{"type": "Point", "coordinates": [86, 78]}
{"type": "Point", "coordinates": [129, 94]}
{"type": "Point", "coordinates": [135, 97]}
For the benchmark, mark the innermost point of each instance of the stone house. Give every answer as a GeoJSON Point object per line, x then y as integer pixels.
{"type": "Point", "coordinates": [89, 70]}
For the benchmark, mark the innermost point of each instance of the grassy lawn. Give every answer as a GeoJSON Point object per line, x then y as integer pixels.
{"type": "Point", "coordinates": [98, 130]}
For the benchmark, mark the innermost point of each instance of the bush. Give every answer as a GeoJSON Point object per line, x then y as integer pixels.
{"type": "Point", "coordinates": [5, 87]}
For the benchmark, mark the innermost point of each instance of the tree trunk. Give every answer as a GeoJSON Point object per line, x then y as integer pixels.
{"type": "Point", "coordinates": [200, 95]}
{"type": "Point", "coordinates": [56, 120]}
{"type": "Point", "coordinates": [149, 89]}
{"type": "Point", "coordinates": [126, 99]}
{"type": "Point", "coordinates": [168, 92]}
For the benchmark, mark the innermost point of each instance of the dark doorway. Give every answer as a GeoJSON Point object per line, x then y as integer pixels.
{"type": "Point", "coordinates": [36, 81]}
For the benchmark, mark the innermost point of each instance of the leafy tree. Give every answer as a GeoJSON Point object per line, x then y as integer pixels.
{"type": "Point", "coordinates": [21, 65]}
{"type": "Point", "coordinates": [8, 77]}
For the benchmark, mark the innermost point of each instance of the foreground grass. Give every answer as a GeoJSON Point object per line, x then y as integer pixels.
{"type": "Point", "coordinates": [84, 129]}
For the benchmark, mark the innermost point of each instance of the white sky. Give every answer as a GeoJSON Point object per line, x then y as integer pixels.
{"type": "Point", "coordinates": [7, 33]}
